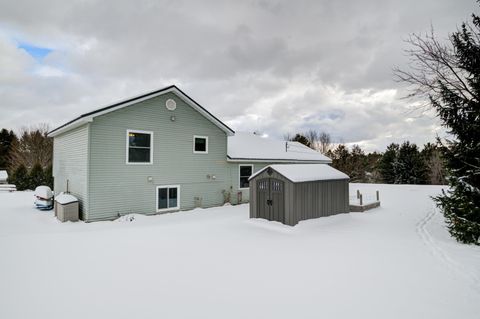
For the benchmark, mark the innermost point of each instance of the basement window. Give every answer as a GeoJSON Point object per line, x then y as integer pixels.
{"type": "Point", "coordinates": [139, 147]}
{"type": "Point", "coordinates": [245, 171]}
{"type": "Point", "coordinates": [168, 198]}
{"type": "Point", "coordinates": [200, 144]}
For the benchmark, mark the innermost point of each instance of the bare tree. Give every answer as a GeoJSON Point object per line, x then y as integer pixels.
{"type": "Point", "coordinates": [432, 67]}
{"type": "Point", "coordinates": [32, 147]}
{"type": "Point", "coordinates": [325, 142]}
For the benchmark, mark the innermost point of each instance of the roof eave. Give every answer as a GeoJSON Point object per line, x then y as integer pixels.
{"type": "Point", "coordinates": [278, 160]}
{"type": "Point", "coordinates": [75, 122]}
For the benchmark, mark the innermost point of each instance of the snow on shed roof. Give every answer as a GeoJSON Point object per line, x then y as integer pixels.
{"type": "Point", "coordinates": [3, 175]}
{"type": "Point", "coordinates": [247, 147]}
{"type": "Point", "coordinates": [306, 172]}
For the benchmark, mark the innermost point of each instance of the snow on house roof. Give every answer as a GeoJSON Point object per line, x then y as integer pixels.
{"type": "Point", "coordinates": [298, 173]}
{"type": "Point", "coordinates": [250, 147]}
{"type": "Point", "coordinates": [3, 175]}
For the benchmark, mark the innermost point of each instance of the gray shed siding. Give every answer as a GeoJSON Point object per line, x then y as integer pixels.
{"type": "Point", "coordinates": [306, 200]}
{"type": "Point", "coordinates": [70, 162]}
{"type": "Point", "coordinates": [117, 188]}
{"type": "Point", "coordinates": [320, 198]}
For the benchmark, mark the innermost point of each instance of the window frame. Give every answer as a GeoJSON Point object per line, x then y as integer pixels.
{"type": "Point", "coordinates": [206, 144]}
{"type": "Point", "coordinates": [127, 147]}
{"type": "Point", "coordinates": [161, 210]}
{"type": "Point", "coordinates": [240, 176]}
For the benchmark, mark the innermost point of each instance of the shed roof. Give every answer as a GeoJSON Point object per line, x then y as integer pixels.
{"type": "Point", "coordinates": [88, 117]}
{"type": "Point", "coordinates": [298, 173]}
{"type": "Point", "coordinates": [250, 147]}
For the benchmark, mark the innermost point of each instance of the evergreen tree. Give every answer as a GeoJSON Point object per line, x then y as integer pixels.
{"type": "Point", "coordinates": [449, 75]}
{"type": "Point", "coordinates": [358, 164]}
{"type": "Point", "coordinates": [409, 166]}
{"type": "Point", "coordinates": [301, 139]}
{"type": "Point", "coordinates": [340, 159]}
{"type": "Point", "coordinates": [386, 163]}
{"type": "Point", "coordinates": [372, 168]}
{"type": "Point", "coordinates": [36, 176]}
{"type": "Point", "coordinates": [20, 178]}
{"type": "Point", "coordinates": [6, 140]}
{"type": "Point", "coordinates": [48, 177]}
{"type": "Point", "coordinates": [433, 159]}
{"type": "Point", "coordinates": [461, 114]}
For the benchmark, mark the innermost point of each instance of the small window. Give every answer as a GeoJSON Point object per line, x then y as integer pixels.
{"type": "Point", "coordinates": [168, 198]}
{"type": "Point", "coordinates": [200, 144]}
{"type": "Point", "coordinates": [139, 147]}
{"type": "Point", "coordinates": [245, 171]}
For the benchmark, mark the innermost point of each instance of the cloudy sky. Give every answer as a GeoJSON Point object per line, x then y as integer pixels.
{"type": "Point", "coordinates": [268, 66]}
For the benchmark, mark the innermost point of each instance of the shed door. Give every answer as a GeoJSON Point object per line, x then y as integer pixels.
{"type": "Point", "coordinates": [270, 199]}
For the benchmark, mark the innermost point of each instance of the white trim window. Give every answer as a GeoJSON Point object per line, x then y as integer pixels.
{"type": "Point", "coordinates": [139, 147]}
{"type": "Point", "coordinates": [168, 198]}
{"type": "Point", "coordinates": [200, 144]}
{"type": "Point", "coordinates": [244, 173]}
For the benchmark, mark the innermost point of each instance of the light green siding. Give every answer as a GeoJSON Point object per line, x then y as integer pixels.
{"type": "Point", "coordinates": [117, 188]}
{"type": "Point", "coordinates": [235, 179]}
{"type": "Point", "coordinates": [70, 162]}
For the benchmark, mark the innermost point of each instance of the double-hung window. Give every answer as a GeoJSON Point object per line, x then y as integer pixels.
{"type": "Point", "coordinates": [139, 147]}
{"type": "Point", "coordinates": [168, 197]}
{"type": "Point", "coordinates": [245, 171]}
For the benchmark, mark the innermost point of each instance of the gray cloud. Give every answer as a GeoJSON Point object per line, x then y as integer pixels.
{"type": "Point", "coordinates": [272, 66]}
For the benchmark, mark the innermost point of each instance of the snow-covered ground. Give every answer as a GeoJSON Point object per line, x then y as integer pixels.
{"type": "Point", "coordinates": [396, 261]}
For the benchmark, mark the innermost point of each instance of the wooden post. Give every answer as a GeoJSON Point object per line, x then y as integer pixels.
{"type": "Point", "coordinates": [358, 194]}
{"type": "Point", "coordinates": [361, 199]}
{"type": "Point", "coordinates": [378, 196]}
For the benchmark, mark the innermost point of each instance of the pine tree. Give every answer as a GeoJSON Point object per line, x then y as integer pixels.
{"type": "Point", "coordinates": [433, 159]}
{"type": "Point", "coordinates": [6, 140]}
{"type": "Point", "coordinates": [340, 159]}
{"type": "Point", "coordinates": [48, 177]}
{"type": "Point", "coordinates": [461, 114]}
{"type": "Point", "coordinates": [20, 178]}
{"type": "Point", "coordinates": [449, 75]}
{"type": "Point", "coordinates": [36, 176]}
{"type": "Point", "coordinates": [358, 164]}
{"type": "Point", "coordinates": [301, 139]}
{"type": "Point", "coordinates": [409, 166]}
{"type": "Point", "coordinates": [386, 163]}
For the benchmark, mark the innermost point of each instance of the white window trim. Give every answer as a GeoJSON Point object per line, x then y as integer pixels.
{"type": "Point", "coordinates": [206, 148]}
{"type": "Point", "coordinates": [127, 147]}
{"type": "Point", "coordinates": [169, 208]}
{"type": "Point", "coordinates": [239, 168]}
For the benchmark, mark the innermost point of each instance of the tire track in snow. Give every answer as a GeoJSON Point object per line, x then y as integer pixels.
{"type": "Point", "coordinates": [438, 252]}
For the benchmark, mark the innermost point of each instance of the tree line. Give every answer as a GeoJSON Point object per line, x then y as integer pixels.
{"type": "Point", "coordinates": [399, 164]}
{"type": "Point", "coordinates": [27, 157]}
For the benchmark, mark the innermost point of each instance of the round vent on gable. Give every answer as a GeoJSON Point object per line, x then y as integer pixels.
{"type": "Point", "coordinates": [170, 104]}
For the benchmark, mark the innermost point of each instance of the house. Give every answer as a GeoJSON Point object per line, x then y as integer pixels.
{"type": "Point", "coordinates": [160, 152]}
{"type": "Point", "coordinates": [289, 193]}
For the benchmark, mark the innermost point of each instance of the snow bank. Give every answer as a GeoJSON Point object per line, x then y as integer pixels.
{"type": "Point", "coordinates": [397, 261]}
